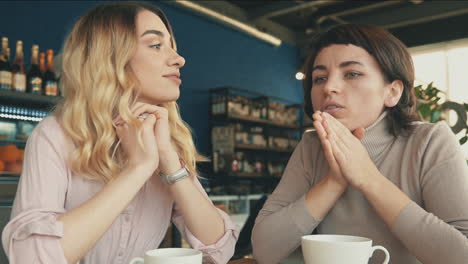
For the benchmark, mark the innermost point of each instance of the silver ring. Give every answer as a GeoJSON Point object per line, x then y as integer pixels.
{"type": "Point", "coordinates": [143, 116]}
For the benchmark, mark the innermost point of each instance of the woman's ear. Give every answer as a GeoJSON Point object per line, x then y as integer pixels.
{"type": "Point", "coordinates": [393, 93]}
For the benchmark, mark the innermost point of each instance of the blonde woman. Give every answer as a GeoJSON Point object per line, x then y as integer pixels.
{"type": "Point", "coordinates": [107, 172]}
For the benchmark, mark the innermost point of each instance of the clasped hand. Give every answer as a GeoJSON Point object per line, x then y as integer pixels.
{"type": "Point", "coordinates": [155, 135]}
{"type": "Point", "coordinates": [348, 160]}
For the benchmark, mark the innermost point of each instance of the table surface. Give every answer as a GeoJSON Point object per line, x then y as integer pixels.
{"type": "Point", "coordinates": [294, 258]}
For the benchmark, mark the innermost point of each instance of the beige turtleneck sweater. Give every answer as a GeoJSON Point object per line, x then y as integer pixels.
{"type": "Point", "coordinates": [428, 166]}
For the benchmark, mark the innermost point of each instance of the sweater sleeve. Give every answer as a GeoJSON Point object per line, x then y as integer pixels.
{"type": "Point", "coordinates": [437, 231]}
{"type": "Point", "coordinates": [285, 218]}
{"type": "Point", "coordinates": [33, 233]}
{"type": "Point", "coordinates": [223, 249]}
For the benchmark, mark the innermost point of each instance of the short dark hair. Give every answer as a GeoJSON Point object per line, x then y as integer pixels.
{"type": "Point", "coordinates": [390, 53]}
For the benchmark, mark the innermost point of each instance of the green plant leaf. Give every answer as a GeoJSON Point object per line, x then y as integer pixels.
{"type": "Point", "coordinates": [425, 110]}
{"type": "Point", "coordinates": [417, 91]}
{"type": "Point", "coordinates": [429, 106]}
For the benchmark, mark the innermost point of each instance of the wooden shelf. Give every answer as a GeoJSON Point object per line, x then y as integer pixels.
{"type": "Point", "coordinates": [281, 150]}
{"type": "Point", "coordinates": [9, 177]}
{"type": "Point", "coordinates": [12, 141]}
{"type": "Point", "coordinates": [250, 146]}
{"type": "Point", "coordinates": [245, 174]}
{"type": "Point", "coordinates": [248, 176]}
{"type": "Point", "coordinates": [253, 120]}
{"type": "Point", "coordinates": [242, 112]}
{"type": "Point", "coordinates": [255, 147]}
{"type": "Point", "coordinates": [28, 100]}
{"type": "Point", "coordinates": [6, 203]}
{"type": "Point", "coordinates": [259, 120]}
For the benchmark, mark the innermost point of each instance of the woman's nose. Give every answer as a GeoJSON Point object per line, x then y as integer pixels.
{"type": "Point", "coordinates": [332, 85]}
{"type": "Point", "coordinates": [177, 60]}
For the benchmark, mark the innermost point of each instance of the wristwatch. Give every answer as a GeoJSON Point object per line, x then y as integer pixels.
{"type": "Point", "coordinates": [174, 177]}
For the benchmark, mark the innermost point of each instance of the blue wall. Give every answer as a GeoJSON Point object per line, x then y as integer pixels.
{"type": "Point", "coordinates": [216, 55]}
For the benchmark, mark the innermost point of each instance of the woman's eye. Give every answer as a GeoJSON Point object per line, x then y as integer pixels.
{"type": "Point", "coordinates": [352, 75]}
{"type": "Point", "coordinates": [155, 46]}
{"type": "Point", "coordinates": [319, 80]}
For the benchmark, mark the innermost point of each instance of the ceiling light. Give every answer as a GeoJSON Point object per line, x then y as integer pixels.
{"type": "Point", "coordinates": [300, 76]}
{"type": "Point", "coordinates": [235, 23]}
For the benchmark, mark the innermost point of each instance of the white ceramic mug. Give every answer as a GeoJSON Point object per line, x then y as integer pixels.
{"type": "Point", "coordinates": [170, 256]}
{"type": "Point", "coordinates": [339, 249]}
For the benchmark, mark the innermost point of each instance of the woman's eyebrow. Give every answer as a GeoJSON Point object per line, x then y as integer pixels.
{"type": "Point", "coordinates": [342, 65]}
{"type": "Point", "coordinates": [153, 31]}
{"type": "Point", "coordinates": [348, 63]}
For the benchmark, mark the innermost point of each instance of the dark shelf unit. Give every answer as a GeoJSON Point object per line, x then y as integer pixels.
{"type": "Point", "coordinates": [265, 151]}
{"type": "Point", "coordinates": [28, 100]}
{"type": "Point", "coordinates": [234, 117]}
{"type": "Point", "coordinates": [12, 141]}
{"type": "Point", "coordinates": [260, 148]}
{"type": "Point", "coordinates": [12, 104]}
{"type": "Point", "coordinates": [7, 177]}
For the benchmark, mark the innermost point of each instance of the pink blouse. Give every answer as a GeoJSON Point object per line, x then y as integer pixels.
{"type": "Point", "coordinates": [48, 188]}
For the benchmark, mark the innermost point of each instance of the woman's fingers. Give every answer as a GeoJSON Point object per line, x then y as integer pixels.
{"type": "Point", "coordinates": [320, 130]}
{"type": "Point", "coordinates": [339, 131]}
{"type": "Point", "coordinates": [330, 129]}
{"type": "Point", "coordinates": [317, 116]}
{"type": "Point", "coordinates": [117, 121]}
{"type": "Point", "coordinates": [148, 128]}
{"type": "Point", "coordinates": [119, 129]}
{"type": "Point", "coordinates": [325, 143]}
{"type": "Point", "coordinates": [339, 148]}
{"type": "Point", "coordinates": [142, 111]}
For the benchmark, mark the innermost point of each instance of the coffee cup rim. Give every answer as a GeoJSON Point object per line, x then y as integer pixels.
{"type": "Point", "coordinates": [188, 252]}
{"type": "Point", "coordinates": [323, 238]}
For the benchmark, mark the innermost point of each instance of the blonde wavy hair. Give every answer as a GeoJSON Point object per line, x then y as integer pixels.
{"type": "Point", "coordinates": [98, 85]}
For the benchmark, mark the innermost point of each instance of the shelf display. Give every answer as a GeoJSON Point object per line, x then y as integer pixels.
{"type": "Point", "coordinates": [39, 79]}
{"type": "Point", "coordinates": [237, 207]}
{"type": "Point", "coordinates": [252, 135]}
{"type": "Point", "coordinates": [19, 115]}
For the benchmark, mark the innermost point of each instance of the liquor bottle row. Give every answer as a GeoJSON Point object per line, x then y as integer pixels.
{"type": "Point", "coordinates": [255, 136]}
{"type": "Point", "coordinates": [40, 77]}
{"type": "Point", "coordinates": [242, 162]}
{"type": "Point", "coordinates": [258, 108]}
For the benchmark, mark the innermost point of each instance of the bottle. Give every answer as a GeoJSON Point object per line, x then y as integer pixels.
{"type": "Point", "coordinates": [34, 77]}
{"type": "Point", "coordinates": [42, 66]}
{"type": "Point", "coordinates": [17, 69]}
{"type": "Point", "coordinates": [50, 81]}
{"type": "Point", "coordinates": [5, 67]}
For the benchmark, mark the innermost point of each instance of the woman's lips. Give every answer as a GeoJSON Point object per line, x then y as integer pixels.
{"type": "Point", "coordinates": [174, 78]}
{"type": "Point", "coordinates": [333, 110]}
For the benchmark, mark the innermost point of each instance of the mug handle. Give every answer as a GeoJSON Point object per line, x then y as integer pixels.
{"type": "Point", "coordinates": [387, 255]}
{"type": "Point", "coordinates": [137, 261]}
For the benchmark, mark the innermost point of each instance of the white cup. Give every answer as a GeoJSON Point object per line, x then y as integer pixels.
{"type": "Point", "coordinates": [170, 256]}
{"type": "Point", "coordinates": [339, 249]}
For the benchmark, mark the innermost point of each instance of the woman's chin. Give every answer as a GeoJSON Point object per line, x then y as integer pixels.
{"type": "Point", "coordinates": [158, 100]}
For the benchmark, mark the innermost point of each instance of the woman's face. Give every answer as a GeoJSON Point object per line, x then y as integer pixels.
{"type": "Point", "coordinates": [348, 84]}
{"type": "Point", "coordinates": [155, 63]}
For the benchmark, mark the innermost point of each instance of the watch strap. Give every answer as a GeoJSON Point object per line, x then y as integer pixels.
{"type": "Point", "coordinates": [174, 177]}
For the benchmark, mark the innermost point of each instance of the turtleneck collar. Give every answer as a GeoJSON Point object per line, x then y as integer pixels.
{"type": "Point", "coordinates": [378, 137]}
